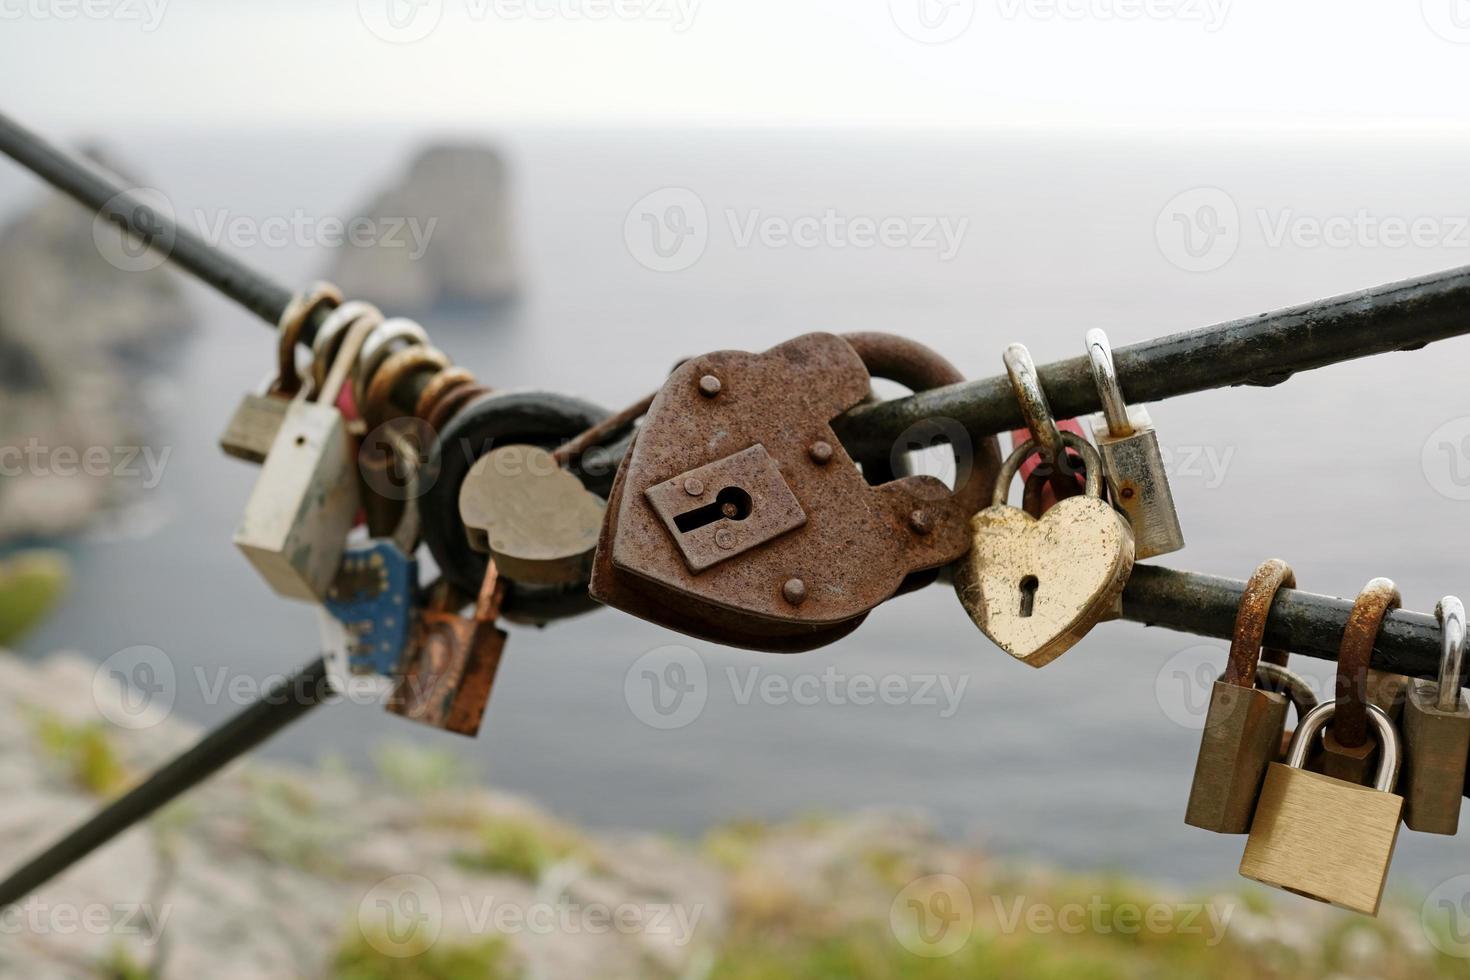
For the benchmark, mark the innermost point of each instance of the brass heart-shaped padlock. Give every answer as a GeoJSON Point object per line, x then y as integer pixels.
{"type": "Point", "coordinates": [1036, 587]}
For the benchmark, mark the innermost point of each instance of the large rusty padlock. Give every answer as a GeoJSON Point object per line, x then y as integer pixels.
{"type": "Point", "coordinates": [738, 516]}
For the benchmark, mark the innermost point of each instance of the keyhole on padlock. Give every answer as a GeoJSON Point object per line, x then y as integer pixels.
{"type": "Point", "coordinates": [1029, 585]}
{"type": "Point", "coordinates": [731, 503]}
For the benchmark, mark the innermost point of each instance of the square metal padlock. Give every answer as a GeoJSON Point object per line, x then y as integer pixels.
{"type": "Point", "coordinates": [252, 429]}
{"type": "Point", "coordinates": [1138, 483]}
{"type": "Point", "coordinates": [1322, 838]}
{"type": "Point", "coordinates": [306, 499]}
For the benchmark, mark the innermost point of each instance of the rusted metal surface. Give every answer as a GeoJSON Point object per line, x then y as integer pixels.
{"type": "Point", "coordinates": [1250, 622]}
{"type": "Point", "coordinates": [447, 675]}
{"type": "Point", "coordinates": [858, 541]}
{"type": "Point", "coordinates": [438, 386]}
{"type": "Point", "coordinates": [417, 359]}
{"type": "Point", "coordinates": [1355, 656]}
{"type": "Point", "coordinates": [319, 297]}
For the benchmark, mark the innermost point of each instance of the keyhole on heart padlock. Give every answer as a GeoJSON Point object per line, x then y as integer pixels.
{"type": "Point", "coordinates": [1029, 585]}
{"type": "Point", "coordinates": [731, 503]}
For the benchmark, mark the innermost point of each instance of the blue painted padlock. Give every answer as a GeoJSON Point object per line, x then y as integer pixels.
{"type": "Point", "coordinates": [373, 598]}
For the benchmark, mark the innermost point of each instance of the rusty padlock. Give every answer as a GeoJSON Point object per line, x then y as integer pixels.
{"type": "Point", "coordinates": [1242, 733]}
{"type": "Point", "coordinates": [448, 670]}
{"type": "Point", "coordinates": [738, 517]}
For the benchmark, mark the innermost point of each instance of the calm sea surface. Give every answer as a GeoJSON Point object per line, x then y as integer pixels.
{"type": "Point", "coordinates": [1086, 763]}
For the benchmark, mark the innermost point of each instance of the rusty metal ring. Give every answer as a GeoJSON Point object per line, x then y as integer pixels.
{"type": "Point", "coordinates": [293, 320]}
{"type": "Point", "coordinates": [378, 407]}
{"type": "Point", "coordinates": [1250, 620]}
{"type": "Point", "coordinates": [1034, 409]}
{"type": "Point", "coordinates": [439, 386]}
{"type": "Point", "coordinates": [452, 403]}
{"type": "Point", "coordinates": [1355, 655]}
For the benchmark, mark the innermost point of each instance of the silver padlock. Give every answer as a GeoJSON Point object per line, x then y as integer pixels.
{"type": "Point", "coordinates": [305, 501]}
{"type": "Point", "coordinates": [1132, 462]}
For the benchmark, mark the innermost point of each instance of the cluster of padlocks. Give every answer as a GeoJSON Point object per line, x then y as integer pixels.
{"type": "Point", "coordinates": [726, 507]}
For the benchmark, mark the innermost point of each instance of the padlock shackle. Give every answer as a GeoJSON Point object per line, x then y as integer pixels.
{"type": "Point", "coordinates": [1451, 615]}
{"type": "Point", "coordinates": [1249, 636]}
{"type": "Point", "coordinates": [1355, 656]}
{"type": "Point", "coordinates": [328, 343]}
{"type": "Point", "coordinates": [1109, 391]}
{"type": "Point", "coordinates": [1008, 470]}
{"type": "Point", "coordinates": [1029, 395]}
{"type": "Point", "coordinates": [1388, 739]}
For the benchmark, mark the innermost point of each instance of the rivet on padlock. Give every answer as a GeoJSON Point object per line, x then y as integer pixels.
{"type": "Point", "coordinates": [1437, 733]}
{"type": "Point", "coordinates": [1037, 587]}
{"type": "Point", "coordinates": [1324, 838]}
{"type": "Point", "coordinates": [306, 498]}
{"type": "Point", "coordinates": [1346, 751]}
{"type": "Point", "coordinates": [252, 429]}
{"type": "Point", "coordinates": [1132, 462]}
{"type": "Point", "coordinates": [1243, 727]}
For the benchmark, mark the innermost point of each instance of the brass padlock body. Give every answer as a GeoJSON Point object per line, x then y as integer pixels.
{"type": "Point", "coordinates": [1242, 737]}
{"type": "Point", "coordinates": [1322, 838]}
{"type": "Point", "coordinates": [252, 429]}
{"type": "Point", "coordinates": [1139, 483]}
{"type": "Point", "coordinates": [1437, 750]}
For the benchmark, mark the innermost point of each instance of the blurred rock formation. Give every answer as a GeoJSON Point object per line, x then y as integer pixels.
{"type": "Point", "coordinates": [443, 235]}
{"type": "Point", "coordinates": [77, 335]}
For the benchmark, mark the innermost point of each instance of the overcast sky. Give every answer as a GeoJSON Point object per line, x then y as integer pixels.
{"type": "Point", "coordinates": [1067, 63]}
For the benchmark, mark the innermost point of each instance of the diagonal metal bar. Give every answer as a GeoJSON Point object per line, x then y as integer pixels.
{"type": "Point", "coordinates": [279, 706]}
{"type": "Point", "coordinates": [1258, 350]}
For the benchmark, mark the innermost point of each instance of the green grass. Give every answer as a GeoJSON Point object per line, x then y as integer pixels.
{"type": "Point", "coordinates": [520, 847]}
{"type": "Point", "coordinates": [488, 959]}
{"type": "Point", "coordinates": [84, 752]}
{"type": "Point", "coordinates": [31, 584]}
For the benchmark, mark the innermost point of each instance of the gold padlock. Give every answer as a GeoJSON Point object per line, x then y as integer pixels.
{"type": "Point", "coordinates": [1242, 733]}
{"type": "Point", "coordinates": [1036, 587]}
{"type": "Point", "coordinates": [1323, 838]}
{"type": "Point", "coordinates": [1437, 733]}
{"type": "Point", "coordinates": [306, 498]}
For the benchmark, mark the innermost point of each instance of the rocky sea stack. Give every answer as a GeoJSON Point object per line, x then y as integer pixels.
{"type": "Point", "coordinates": [443, 235]}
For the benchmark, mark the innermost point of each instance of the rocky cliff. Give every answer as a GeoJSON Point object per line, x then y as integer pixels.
{"type": "Point", "coordinates": [77, 334]}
